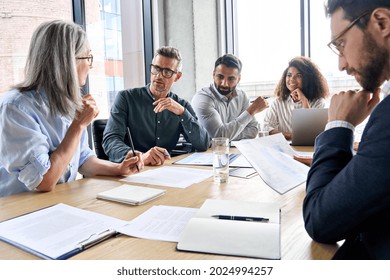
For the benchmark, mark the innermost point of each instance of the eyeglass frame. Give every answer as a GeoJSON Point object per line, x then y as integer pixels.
{"type": "Point", "coordinates": [161, 70]}
{"type": "Point", "coordinates": [332, 44]}
{"type": "Point", "coordinates": [90, 57]}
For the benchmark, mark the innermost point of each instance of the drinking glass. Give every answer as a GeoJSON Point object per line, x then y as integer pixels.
{"type": "Point", "coordinates": [220, 147]}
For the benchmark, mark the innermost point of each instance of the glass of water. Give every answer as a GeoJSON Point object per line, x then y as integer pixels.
{"type": "Point", "coordinates": [220, 147]}
{"type": "Point", "coordinates": [263, 129]}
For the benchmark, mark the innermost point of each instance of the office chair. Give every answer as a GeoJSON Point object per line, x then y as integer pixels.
{"type": "Point", "coordinates": [182, 147]}
{"type": "Point", "coordinates": [97, 132]}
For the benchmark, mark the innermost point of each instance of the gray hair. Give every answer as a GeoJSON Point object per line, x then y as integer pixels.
{"type": "Point", "coordinates": [51, 65]}
{"type": "Point", "coordinates": [170, 52]}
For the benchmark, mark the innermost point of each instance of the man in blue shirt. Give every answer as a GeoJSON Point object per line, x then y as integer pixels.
{"type": "Point", "coordinates": [155, 116]}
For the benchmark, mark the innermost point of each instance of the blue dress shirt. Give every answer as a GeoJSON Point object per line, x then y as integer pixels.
{"type": "Point", "coordinates": [29, 134]}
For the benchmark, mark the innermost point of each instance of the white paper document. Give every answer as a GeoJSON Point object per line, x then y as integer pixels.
{"type": "Point", "coordinates": [275, 141]}
{"type": "Point", "coordinates": [59, 231]}
{"type": "Point", "coordinates": [169, 176]}
{"type": "Point", "coordinates": [164, 223]}
{"type": "Point", "coordinates": [272, 158]}
{"type": "Point", "coordinates": [206, 159]}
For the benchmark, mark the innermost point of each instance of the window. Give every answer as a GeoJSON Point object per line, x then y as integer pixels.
{"type": "Point", "coordinates": [268, 37]}
{"type": "Point", "coordinates": [322, 55]}
{"type": "Point", "coordinates": [24, 19]}
{"type": "Point", "coordinates": [114, 30]}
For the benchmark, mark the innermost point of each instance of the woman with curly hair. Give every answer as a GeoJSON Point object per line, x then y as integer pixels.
{"type": "Point", "coordinates": [302, 86]}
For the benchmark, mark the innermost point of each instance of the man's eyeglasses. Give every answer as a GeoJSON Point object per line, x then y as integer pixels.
{"type": "Point", "coordinates": [337, 47]}
{"type": "Point", "coordinates": [88, 58]}
{"type": "Point", "coordinates": [166, 72]}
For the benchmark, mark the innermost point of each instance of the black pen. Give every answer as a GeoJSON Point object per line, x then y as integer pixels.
{"type": "Point", "coordinates": [132, 145]}
{"type": "Point", "coordinates": [241, 218]}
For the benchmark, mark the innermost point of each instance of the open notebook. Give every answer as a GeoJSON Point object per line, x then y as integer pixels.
{"type": "Point", "coordinates": [207, 234]}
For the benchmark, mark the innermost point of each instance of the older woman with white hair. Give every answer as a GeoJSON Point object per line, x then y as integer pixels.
{"type": "Point", "coordinates": [43, 119]}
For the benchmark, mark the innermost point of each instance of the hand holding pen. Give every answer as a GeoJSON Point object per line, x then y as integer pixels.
{"type": "Point", "coordinates": [132, 148]}
{"type": "Point", "coordinates": [258, 105]}
{"type": "Point", "coordinates": [131, 164]}
{"type": "Point", "coordinates": [156, 156]}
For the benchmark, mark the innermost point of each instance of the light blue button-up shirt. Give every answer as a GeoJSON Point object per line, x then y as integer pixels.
{"type": "Point", "coordinates": [224, 117]}
{"type": "Point", "coordinates": [28, 135]}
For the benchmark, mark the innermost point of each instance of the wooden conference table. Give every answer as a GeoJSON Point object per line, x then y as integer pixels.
{"type": "Point", "coordinates": [295, 242]}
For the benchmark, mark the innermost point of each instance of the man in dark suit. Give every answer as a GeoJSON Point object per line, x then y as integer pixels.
{"type": "Point", "coordinates": [348, 197]}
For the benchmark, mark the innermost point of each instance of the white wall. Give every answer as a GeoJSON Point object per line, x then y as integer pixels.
{"type": "Point", "coordinates": [198, 46]}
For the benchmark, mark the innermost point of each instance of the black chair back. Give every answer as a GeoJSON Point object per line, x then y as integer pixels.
{"type": "Point", "coordinates": [97, 132]}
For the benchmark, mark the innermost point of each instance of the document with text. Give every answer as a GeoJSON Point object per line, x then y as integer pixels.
{"type": "Point", "coordinates": [59, 231]}
{"type": "Point", "coordinates": [274, 163]}
{"type": "Point", "coordinates": [164, 223]}
{"type": "Point", "coordinates": [169, 176]}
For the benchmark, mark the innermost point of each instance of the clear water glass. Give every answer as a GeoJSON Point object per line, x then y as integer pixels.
{"type": "Point", "coordinates": [220, 147]}
{"type": "Point", "coordinates": [263, 129]}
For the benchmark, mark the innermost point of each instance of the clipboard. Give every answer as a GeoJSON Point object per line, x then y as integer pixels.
{"type": "Point", "coordinates": [58, 232]}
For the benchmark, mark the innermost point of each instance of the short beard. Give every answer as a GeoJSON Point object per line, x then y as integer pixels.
{"type": "Point", "coordinates": [225, 92]}
{"type": "Point", "coordinates": [376, 60]}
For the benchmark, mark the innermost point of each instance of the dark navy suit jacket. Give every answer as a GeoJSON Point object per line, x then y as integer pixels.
{"type": "Point", "coordinates": [348, 197]}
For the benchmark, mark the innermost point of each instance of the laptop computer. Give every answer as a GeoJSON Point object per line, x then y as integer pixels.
{"type": "Point", "coordinates": [307, 124]}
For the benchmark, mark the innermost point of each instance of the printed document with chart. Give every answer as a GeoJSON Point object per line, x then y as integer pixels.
{"type": "Point", "coordinates": [272, 157]}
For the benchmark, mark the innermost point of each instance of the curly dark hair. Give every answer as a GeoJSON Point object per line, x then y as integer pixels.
{"type": "Point", "coordinates": [314, 84]}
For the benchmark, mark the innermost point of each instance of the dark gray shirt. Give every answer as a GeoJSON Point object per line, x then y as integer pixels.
{"type": "Point", "coordinates": [133, 108]}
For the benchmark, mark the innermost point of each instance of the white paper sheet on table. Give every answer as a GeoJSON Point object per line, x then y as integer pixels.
{"type": "Point", "coordinates": [164, 223]}
{"type": "Point", "coordinates": [206, 159]}
{"type": "Point", "coordinates": [271, 156]}
{"type": "Point", "coordinates": [169, 176]}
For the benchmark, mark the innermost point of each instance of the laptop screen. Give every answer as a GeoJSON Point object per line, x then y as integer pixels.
{"type": "Point", "coordinates": [307, 124]}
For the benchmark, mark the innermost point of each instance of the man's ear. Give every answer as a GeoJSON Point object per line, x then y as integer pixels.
{"type": "Point", "coordinates": [381, 18]}
{"type": "Point", "coordinates": [178, 76]}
